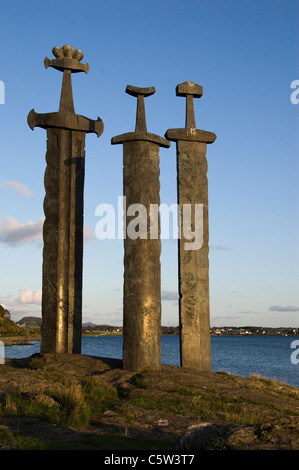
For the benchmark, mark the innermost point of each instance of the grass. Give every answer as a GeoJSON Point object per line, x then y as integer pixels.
{"type": "Point", "coordinates": [206, 407]}
{"type": "Point", "coordinates": [217, 442]}
{"type": "Point", "coordinates": [214, 405]}
{"type": "Point", "coordinates": [88, 442]}
{"type": "Point", "coordinates": [257, 381]}
{"type": "Point", "coordinates": [15, 441]}
{"type": "Point", "coordinates": [20, 404]}
{"type": "Point", "coordinates": [71, 404]}
{"type": "Point", "coordinates": [77, 402]}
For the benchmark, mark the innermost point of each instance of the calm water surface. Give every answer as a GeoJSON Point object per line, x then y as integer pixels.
{"type": "Point", "coordinates": [268, 356]}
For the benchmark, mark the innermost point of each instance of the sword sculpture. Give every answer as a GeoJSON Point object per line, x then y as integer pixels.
{"type": "Point", "coordinates": [63, 208]}
{"type": "Point", "coordinates": [142, 270]}
{"type": "Point", "coordinates": [192, 187]}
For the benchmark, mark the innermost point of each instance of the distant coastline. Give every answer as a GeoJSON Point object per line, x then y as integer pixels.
{"type": "Point", "coordinates": [98, 330]}
{"type": "Point", "coordinates": [109, 330]}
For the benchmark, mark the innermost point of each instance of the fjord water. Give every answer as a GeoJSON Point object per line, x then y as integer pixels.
{"type": "Point", "coordinates": [268, 356]}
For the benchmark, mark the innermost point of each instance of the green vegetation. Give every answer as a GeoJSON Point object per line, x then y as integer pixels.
{"type": "Point", "coordinates": [210, 404]}
{"type": "Point", "coordinates": [75, 405]}
{"type": "Point", "coordinates": [32, 323]}
{"type": "Point", "coordinates": [14, 440]}
{"type": "Point", "coordinates": [102, 408]}
{"type": "Point", "coordinates": [207, 406]}
{"type": "Point", "coordinates": [9, 327]}
{"type": "Point", "coordinates": [218, 442]}
{"type": "Point", "coordinates": [86, 442]}
{"type": "Point", "coordinates": [71, 404]}
{"type": "Point", "coordinates": [26, 328]}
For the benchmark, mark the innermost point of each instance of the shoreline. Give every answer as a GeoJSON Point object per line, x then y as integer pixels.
{"type": "Point", "coordinates": [19, 340]}
{"type": "Point", "coordinates": [25, 341]}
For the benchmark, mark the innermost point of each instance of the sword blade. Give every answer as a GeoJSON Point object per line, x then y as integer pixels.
{"type": "Point", "coordinates": [63, 242]}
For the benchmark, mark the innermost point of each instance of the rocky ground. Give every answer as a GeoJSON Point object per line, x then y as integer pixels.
{"type": "Point", "coordinates": [188, 408]}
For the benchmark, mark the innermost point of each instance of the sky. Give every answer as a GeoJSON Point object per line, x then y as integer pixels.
{"type": "Point", "coordinates": [244, 53]}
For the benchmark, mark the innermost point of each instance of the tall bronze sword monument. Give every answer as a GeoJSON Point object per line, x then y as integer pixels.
{"type": "Point", "coordinates": [63, 208]}
{"type": "Point", "coordinates": [192, 188]}
{"type": "Point", "coordinates": [142, 270]}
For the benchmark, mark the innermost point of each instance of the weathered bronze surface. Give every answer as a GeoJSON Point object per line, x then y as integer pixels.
{"type": "Point", "coordinates": [63, 207]}
{"type": "Point", "coordinates": [194, 303]}
{"type": "Point", "coordinates": [142, 270]}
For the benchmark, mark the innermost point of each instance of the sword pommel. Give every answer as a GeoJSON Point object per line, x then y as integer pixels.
{"type": "Point", "coordinates": [136, 91]}
{"type": "Point", "coordinates": [140, 93]}
{"type": "Point", "coordinates": [189, 88]}
{"type": "Point", "coordinates": [67, 58]}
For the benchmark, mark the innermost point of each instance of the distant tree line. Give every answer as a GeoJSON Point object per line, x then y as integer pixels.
{"type": "Point", "coordinates": [8, 327]}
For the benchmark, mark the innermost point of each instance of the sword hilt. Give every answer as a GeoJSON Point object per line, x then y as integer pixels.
{"type": "Point", "coordinates": [140, 93]}
{"type": "Point", "coordinates": [140, 129]}
{"type": "Point", "coordinates": [190, 90]}
{"type": "Point", "coordinates": [67, 60]}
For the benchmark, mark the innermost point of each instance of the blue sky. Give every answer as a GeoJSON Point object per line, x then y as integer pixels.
{"type": "Point", "coordinates": [245, 55]}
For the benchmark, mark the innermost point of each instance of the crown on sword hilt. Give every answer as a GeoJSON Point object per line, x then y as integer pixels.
{"type": "Point", "coordinates": [67, 58]}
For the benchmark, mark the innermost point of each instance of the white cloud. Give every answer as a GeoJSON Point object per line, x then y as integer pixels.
{"type": "Point", "coordinates": [88, 233]}
{"type": "Point", "coordinates": [169, 295]}
{"type": "Point", "coordinates": [289, 308]}
{"type": "Point", "coordinates": [21, 189]}
{"type": "Point", "coordinates": [219, 247]}
{"type": "Point", "coordinates": [18, 309]}
{"type": "Point", "coordinates": [13, 232]}
{"type": "Point", "coordinates": [226, 318]}
{"type": "Point", "coordinates": [28, 296]}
